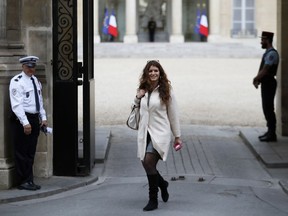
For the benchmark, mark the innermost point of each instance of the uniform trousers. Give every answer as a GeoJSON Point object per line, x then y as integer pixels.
{"type": "Point", "coordinates": [268, 91]}
{"type": "Point", "coordinates": [151, 35]}
{"type": "Point", "coordinates": [25, 147]}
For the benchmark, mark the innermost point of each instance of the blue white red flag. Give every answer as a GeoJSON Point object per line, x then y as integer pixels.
{"type": "Point", "coordinates": [105, 22]}
{"type": "Point", "coordinates": [203, 25]}
{"type": "Point", "coordinates": [112, 29]}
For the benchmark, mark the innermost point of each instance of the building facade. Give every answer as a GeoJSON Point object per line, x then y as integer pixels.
{"type": "Point", "coordinates": [176, 20]}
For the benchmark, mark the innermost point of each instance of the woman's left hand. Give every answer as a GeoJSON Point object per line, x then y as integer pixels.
{"type": "Point", "coordinates": [177, 143]}
{"type": "Point", "coordinates": [178, 140]}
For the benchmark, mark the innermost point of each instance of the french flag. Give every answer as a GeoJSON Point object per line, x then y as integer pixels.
{"type": "Point", "coordinates": [112, 28]}
{"type": "Point", "coordinates": [203, 25]}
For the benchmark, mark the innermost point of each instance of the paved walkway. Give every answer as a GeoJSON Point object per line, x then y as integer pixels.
{"type": "Point", "coordinates": [193, 160]}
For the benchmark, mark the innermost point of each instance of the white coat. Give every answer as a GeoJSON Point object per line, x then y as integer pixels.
{"type": "Point", "coordinates": [159, 120]}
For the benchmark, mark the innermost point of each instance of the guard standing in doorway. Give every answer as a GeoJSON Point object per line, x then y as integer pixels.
{"type": "Point", "coordinates": [28, 117]}
{"type": "Point", "coordinates": [266, 77]}
{"type": "Point", "coordinates": [151, 29]}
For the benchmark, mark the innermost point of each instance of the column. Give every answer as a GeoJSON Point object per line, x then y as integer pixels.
{"type": "Point", "coordinates": [130, 24]}
{"type": "Point", "coordinates": [282, 75]}
{"type": "Point", "coordinates": [96, 21]}
{"type": "Point", "coordinates": [177, 34]}
{"type": "Point", "coordinates": [7, 168]}
{"type": "Point", "coordinates": [214, 25]}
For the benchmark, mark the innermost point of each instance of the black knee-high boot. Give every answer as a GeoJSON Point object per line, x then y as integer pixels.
{"type": "Point", "coordinates": [153, 193]}
{"type": "Point", "coordinates": [163, 185]}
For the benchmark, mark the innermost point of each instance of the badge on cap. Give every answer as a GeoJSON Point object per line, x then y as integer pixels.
{"type": "Point", "coordinates": [30, 61]}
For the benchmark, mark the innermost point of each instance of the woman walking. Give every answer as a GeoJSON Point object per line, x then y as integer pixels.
{"type": "Point", "coordinates": [158, 117]}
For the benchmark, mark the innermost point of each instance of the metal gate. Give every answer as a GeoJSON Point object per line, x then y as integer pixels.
{"type": "Point", "coordinates": [68, 75]}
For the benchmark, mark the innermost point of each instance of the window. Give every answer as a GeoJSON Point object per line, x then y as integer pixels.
{"type": "Point", "coordinates": [243, 19]}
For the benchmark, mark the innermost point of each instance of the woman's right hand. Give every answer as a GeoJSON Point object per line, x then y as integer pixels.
{"type": "Point", "coordinates": [140, 93]}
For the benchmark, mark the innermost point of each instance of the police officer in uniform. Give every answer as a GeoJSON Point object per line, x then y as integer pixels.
{"type": "Point", "coordinates": [28, 117]}
{"type": "Point", "coordinates": [266, 77]}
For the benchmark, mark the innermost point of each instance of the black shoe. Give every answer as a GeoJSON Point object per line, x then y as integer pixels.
{"type": "Point", "coordinates": [269, 138]}
{"type": "Point", "coordinates": [153, 193]}
{"type": "Point", "coordinates": [27, 186]}
{"type": "Point", "coordinates": [164, 192]}
{"type": "Point", "coordinates": [152, 205]}
{"type": "Point", "coordinates": [38, 187]}
{"type": "Point", "coordinates": [265, 134]}
{"type": "Point", "coordinates": [163, 185]}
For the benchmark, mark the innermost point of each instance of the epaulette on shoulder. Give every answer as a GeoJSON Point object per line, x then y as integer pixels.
{"type": "Point", "coordinates": [18, 78]}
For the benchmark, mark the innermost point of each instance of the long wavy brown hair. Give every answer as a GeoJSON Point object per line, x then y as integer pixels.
{"type": "Point", "coordinates": [164, 83]}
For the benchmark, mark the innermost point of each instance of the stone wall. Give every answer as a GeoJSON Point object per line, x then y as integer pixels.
{"type": "Point", "coordinates": [28, 32]}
